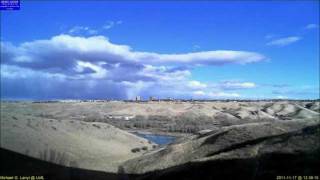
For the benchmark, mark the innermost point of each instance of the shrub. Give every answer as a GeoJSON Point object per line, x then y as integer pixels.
{"type": "Point", "coordinates": [48, 116]}
{"type": "Point", "coordinates": [95, 125]}
{"type": "Point", "coordinates": [128, 126]}
{"type": "Point", "coordinates": [144, 148]}
{"type": "Point", "coordinates": [29, 123]}
{"type": "Point", "coordinates": [134, 150]}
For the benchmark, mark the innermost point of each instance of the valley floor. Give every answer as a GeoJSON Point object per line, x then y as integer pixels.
{"type": "Point", "coordinates": [102, 136]}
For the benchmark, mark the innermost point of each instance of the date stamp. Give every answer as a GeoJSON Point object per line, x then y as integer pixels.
{"type": "Point", "coordinates": [297, 178]}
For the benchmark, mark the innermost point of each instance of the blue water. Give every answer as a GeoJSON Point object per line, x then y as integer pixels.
{"type": "Point", "coordinates": [159, 139]}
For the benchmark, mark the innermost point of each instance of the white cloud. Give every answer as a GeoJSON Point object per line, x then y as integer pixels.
{"type": "Point", "coordinates": [297, 91]}
{"type": "Point", "coordinates": [227, 85]}
{"type": "Point", "coordinates": [311, 26]}
{"type": "Point", "coordinates": [196, 47]}
{"type": "Point", "coordinates": [284, 41]}
{"type": "Point", "coordinates": [224, 95]}
{"type": "Point", "coordinates": [99, 72]}
{"type": "Point", "coordinates": [90, 61]}
{"type": "Point", "coordinates": [86, 30]}
{"type": "Point", "coordinates": [99, 48]}
{"type": "Point", "coordinates": [111, 24]}
{"type": "Point", "coordinates": [215, 94]}
{"type": "Point", "coordinates": [82, 30]}
{"type": "Point", "coordinates": [164, 74]}
{"type": "Point", "coordinates": [199, 93]}
{"type": "Point", "coordinates": [269, 36]}
{"type": "Point", "coordinates": [135, 88]}
{"type": "Point", "coordinates": [217, 57]}
{"type": "Point", "coordinates": [196, 85]}
{"type": "Point", "coordinates": [281, 97]}
{"type": "Point", "coordinates": [81, 44]}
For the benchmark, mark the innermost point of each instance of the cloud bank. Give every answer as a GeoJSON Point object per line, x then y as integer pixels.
{"type": "Point", "coordinates": [78, 67]}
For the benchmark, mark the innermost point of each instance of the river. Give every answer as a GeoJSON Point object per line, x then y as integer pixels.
{"type": "Point", "coordinates": [156, 138]}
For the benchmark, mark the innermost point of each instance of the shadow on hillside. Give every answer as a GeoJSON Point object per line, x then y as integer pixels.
{"type": "Point", "coordinates": [265, 167]}
{"type": "Point", "coordinates": [15, 164]}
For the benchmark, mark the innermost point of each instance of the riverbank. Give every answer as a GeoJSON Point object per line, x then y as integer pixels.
{"type": "Point", "coordinates": [157, 132]}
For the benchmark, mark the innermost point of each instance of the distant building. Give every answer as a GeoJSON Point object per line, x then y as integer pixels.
{"type": "Point", "coordinates": [138, 98]}
{"type": "Point", "coordinates": [121, 117]}
{"type": "Point", "coordinates": [151, 98]}
{"type": "Point", "coordinates": [169, 99]}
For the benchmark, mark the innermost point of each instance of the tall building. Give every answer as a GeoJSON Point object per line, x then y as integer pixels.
{"type": "Point", "coordinates": [138, 98]}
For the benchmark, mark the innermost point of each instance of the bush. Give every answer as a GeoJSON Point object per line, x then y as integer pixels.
{"type": "Point", "coordinates": [134, 150]}
{"type": "Point", "coordinates": [29, 123]}
{"type": "Point", "coordinates": [144, 148]}
{"type": "Point", "coordinates": [95, 125]}
{"type": "Point", "coordinates": [48, 116]}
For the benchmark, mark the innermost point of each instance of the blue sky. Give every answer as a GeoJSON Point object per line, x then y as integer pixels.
{"type": "Point", "coordinates": [203, 50]}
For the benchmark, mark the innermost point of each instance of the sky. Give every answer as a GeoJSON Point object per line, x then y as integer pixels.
{"type": "Point", "coordinates": [177, 49]}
